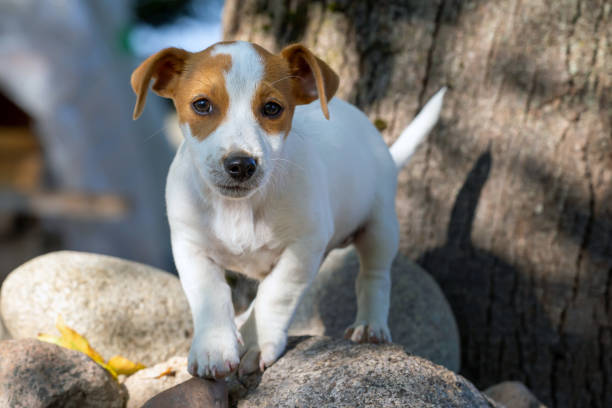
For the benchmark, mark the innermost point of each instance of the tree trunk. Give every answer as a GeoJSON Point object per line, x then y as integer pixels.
{"type": "Point", "coordinates": [508, 203]}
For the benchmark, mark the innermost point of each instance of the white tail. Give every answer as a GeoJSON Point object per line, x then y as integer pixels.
{"type": "Point", "coordinates": [417, 130]}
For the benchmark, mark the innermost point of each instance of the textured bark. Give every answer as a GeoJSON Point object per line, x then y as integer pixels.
{"type": "Point", "coordinates": [508, 202]}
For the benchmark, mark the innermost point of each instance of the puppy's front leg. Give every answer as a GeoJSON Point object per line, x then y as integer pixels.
{"type": "Point", "coordinates": [214, 349]}
{"type": "Point", "coordinates": [277, 298]}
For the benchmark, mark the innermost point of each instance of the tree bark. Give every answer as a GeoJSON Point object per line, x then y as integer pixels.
{"type": "Point", "coordinates": [508, 203]}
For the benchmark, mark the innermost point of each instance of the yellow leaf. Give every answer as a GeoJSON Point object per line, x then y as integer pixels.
{"type": "Point", "coordinates": [52, 339]}
{"type": "Point", "coordinates": [76, 341]}
{"type": "Point", "coordinates": [109, 369]}
{"type": "Point", "coordinates": [70, 339]}
{"type": "Point", "coordinates": [122, 365]}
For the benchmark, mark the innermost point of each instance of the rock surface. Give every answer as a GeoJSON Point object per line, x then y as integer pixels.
{"type": "Point", "coordinates": [194, 393]}
{"type": "Point", "coordinates": [121, 307]}
{"type": "Point", "coordinates": [420, 318]}
{"type": "Point", "coordinates": [146, 383]}
{"type": "Point", "coordinates": [34, 374]}
{"type": "Point", "coordinates": [513, 394]}
{"type": "Point", "coordinates": [4, 334]}
{"type": "Point", "coordinates": [324, 372]}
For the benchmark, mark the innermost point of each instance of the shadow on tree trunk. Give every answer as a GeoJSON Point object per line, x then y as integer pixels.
{"type": "Point", "coordinates": [482, 290]}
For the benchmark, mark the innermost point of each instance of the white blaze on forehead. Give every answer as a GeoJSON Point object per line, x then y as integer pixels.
{"type": "Point", "coordinates": [245, 73]}
{"type": "Point", "coordinates": [240, 129]}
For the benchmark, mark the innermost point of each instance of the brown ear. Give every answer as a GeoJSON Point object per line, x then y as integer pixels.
{"type": "Point", "coordinates": [165, 67]}
{"type": "Point", "coordinates": [316, 78]}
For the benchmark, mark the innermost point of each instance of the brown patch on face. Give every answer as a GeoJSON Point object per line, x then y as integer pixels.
{"type": "Point", "coordinates": [275, 86]}
{"type": "Point", "coordinates": [203, 78]}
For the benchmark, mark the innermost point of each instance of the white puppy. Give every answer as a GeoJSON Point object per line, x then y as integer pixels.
{"type": "Point", "coordinates": [266, 183]}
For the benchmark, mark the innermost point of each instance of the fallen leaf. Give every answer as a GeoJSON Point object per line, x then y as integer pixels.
{"type": "Point", "coordinates": [52, 339]}
{"type": "Point", "coordinates": [71, 339]}
{"type": "Point", "coordinates": [122, 365]}
{"type": "Point", "coordinates": [169, 372]}
{"type": "Point", "coordinates": [76, 341]}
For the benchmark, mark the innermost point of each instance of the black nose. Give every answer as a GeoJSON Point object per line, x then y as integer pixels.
{"type": "Point", "coordinates": [240, 168]}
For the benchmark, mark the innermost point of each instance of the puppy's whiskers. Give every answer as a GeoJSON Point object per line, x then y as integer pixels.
{"type": "Point", "coordinates": [276, 177]}
{"type": "Point", "coordinates": [282, 161]}
{"type": "Point", "coordinates": [152, 135]}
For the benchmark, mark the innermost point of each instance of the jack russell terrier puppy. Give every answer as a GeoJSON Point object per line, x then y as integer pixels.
{"type": "Point", "coordinates": [266, 183]}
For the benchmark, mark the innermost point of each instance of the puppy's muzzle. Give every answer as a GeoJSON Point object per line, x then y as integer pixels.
{"type": "Point", "coordinates": [240, 168]}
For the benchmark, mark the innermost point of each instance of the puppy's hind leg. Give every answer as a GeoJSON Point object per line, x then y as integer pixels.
{"type": "Point", "coordinates": [377, 246]}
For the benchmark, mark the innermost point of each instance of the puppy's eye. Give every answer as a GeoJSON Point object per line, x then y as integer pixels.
{"type": "Point", "coordinates": [202, 106]}
{"type": "Point", "coordinates": [271, 109]}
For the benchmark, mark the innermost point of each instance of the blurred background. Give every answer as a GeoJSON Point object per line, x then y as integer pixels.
{"type": "Point", "coordinates": [508, 204]}
{"type": "Point", "coordinates": [75, 171]}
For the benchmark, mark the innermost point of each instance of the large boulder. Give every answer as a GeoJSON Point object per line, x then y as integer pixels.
{"type": "Point", "coordinates": [121, 307]}
{"type": "Point", "coordinates": [325, 372]}
{"type": "Point", "coordinates": [34, 374]}
{"type": "Point", "coordinates": [420, 318]}
{"type": "Point", "coordinates": [146, 383]}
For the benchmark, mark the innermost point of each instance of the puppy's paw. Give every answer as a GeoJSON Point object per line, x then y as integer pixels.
{"type": "Point", "coordinates": [270, 352]}
{"type": "Point", "coordinates": [214, 353]}
{"type": "Point", "coordinates": [260, 357]}
{"type": "Point", "coordinates": [364, 332]}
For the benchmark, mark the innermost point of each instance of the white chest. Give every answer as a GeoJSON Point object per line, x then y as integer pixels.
{"type": "Point", "coordinates": [242, 241]}
{"type": "Point", "coordinates": [255, 264]}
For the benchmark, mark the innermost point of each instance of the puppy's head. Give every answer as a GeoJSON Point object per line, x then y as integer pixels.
{"type": "Point", "coordinates": [235, 103]}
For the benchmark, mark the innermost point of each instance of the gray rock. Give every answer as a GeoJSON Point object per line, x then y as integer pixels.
{"type": "Point", "coordinates": [146, 383]}
{"type": "Point", "coordinates": [513, 394]}
{"type": "Point", "coordinates": [323, 372]}
{"type": "Point", "coordinates": [34, 374]}
{"type": "Point", "coordinates": [420, 318]}
{"type": "Point", "coordinates": [121, 307]}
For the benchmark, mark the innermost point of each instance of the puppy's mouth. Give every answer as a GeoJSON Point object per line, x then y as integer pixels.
{"type": "Point", "coordinates": [234, 191]}
{"type": "Point", "coordinates": [219, 181]}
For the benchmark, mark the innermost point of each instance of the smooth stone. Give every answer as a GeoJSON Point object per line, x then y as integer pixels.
{"type": "Point", "coordinates": [121, 307]}
{"type": "Point", "coordinates": [325, 372]}
{"type": "Point", "coordinates": [34, 374]}
{"type": "Point", "coordinates": [145, 384]}
{"type": "Point", "coordinates": [420, 318]}
{"type": "Point", "coordinates": [194, 393]}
